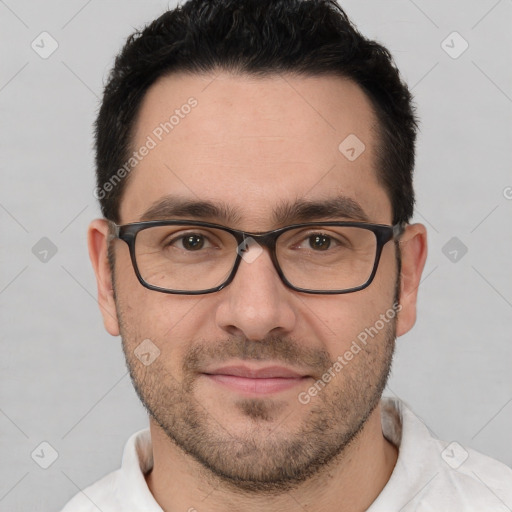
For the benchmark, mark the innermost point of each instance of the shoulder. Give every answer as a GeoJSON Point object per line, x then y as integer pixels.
{"type": "Point", "coordinates": [124, 488]}
{"type": "Point", "coordinates": [469, 479]}
{"type": "Point", "coordinates": [101, 495]}
{"type": "Point", "coordinates": [435, 475]}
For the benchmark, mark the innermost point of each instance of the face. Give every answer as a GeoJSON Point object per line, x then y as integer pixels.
{"type": "Point", "coordinates": [256, 145]}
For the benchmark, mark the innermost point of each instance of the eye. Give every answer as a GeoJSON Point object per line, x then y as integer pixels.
{"type": "Point", "coordinates": [319, 241]}
{"type": "Point", "coordinates": [193, 242]}
{"type": "Point", "coordinates": [189, 242]}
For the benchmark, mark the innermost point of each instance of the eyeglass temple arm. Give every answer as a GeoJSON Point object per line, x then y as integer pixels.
{"type": "Point", "coordinates": [113, 231]}
{"type": "Point", "coordinates": [398, 229]}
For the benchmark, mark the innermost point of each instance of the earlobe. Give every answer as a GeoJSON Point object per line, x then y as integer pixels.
{"type": "Point", "coordinates": [97, 240]}
{"type": "Point", "coordinates": [413, 249]}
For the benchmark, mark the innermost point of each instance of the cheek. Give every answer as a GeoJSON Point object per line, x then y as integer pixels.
{"type": "Point", "coordinates": [345, 321]}
{"type": "Point", "coordinates": [164, 324]}
{"type": "Point", "coordinates": [338, 320]}
{"type": "Point", "coordinates": [160, 323]}
{"type": "Point", "coordinates": [143, 310]}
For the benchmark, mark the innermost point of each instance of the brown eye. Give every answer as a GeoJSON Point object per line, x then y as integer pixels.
{"type": "Point", "coordinates": [192, 242]}
{"type": "Point", "coordinates": [321, 242]}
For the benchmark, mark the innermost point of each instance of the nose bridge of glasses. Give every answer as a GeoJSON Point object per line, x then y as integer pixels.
{"type": "Point", "coordinates": [254, 244]}
{"type": "Point", "coordinates": [265, 240]}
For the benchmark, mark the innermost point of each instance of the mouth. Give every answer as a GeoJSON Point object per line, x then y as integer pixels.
{"type": "Point", "coordinates": [256, 381]}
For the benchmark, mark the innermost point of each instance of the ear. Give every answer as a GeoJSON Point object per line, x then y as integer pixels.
{"type": "Point", "coordinates": [413, 249]}
{"type": "Point", "coordinates": [97, 240]}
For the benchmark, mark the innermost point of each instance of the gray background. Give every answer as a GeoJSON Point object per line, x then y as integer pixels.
{"type": "Point", "coordinates": [63, 378]}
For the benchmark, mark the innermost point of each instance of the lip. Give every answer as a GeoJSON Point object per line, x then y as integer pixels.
{"type": "Point", "coordinates": [256, 381]}
{"type": "Point", "coordinates": [267, 372]}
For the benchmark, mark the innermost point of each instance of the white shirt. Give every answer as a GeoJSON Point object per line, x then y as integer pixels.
{"type": "Point", "coordinates": [429, 476]}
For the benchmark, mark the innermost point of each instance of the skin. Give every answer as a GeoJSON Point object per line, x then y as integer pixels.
{"type": "Point", "coordinates": [254, 143]}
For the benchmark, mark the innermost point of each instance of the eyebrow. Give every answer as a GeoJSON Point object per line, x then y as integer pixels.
{"type": "Point", "coordinates": [285, 213]}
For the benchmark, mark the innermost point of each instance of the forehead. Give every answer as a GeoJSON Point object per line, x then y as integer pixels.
{"type": "Point", "coordinates": [255, 144]}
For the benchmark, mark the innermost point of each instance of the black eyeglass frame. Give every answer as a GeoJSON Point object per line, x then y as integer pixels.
{"type": "Point", "coordinates": [128, 233]}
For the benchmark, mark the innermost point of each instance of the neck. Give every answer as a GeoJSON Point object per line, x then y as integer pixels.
{"type": "Point", "coordinates": [351, 482]}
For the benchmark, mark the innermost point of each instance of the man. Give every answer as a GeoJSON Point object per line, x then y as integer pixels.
{"type": "Point", "coordinates": [254, 165]}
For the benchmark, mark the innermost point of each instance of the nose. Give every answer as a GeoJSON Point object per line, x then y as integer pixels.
{"type": "Point", "coordinates": [256, 303]}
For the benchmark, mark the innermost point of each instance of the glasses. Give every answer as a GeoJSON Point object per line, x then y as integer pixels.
{"type": "Point", "coordinates": [192, 258]}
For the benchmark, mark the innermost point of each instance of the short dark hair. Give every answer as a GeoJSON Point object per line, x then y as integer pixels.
{"type": "Point", "coordinates": [260, 38]}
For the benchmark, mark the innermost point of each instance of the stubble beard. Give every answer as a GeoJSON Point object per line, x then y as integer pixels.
{"type": "Point", "coordinates": [267, 459]}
